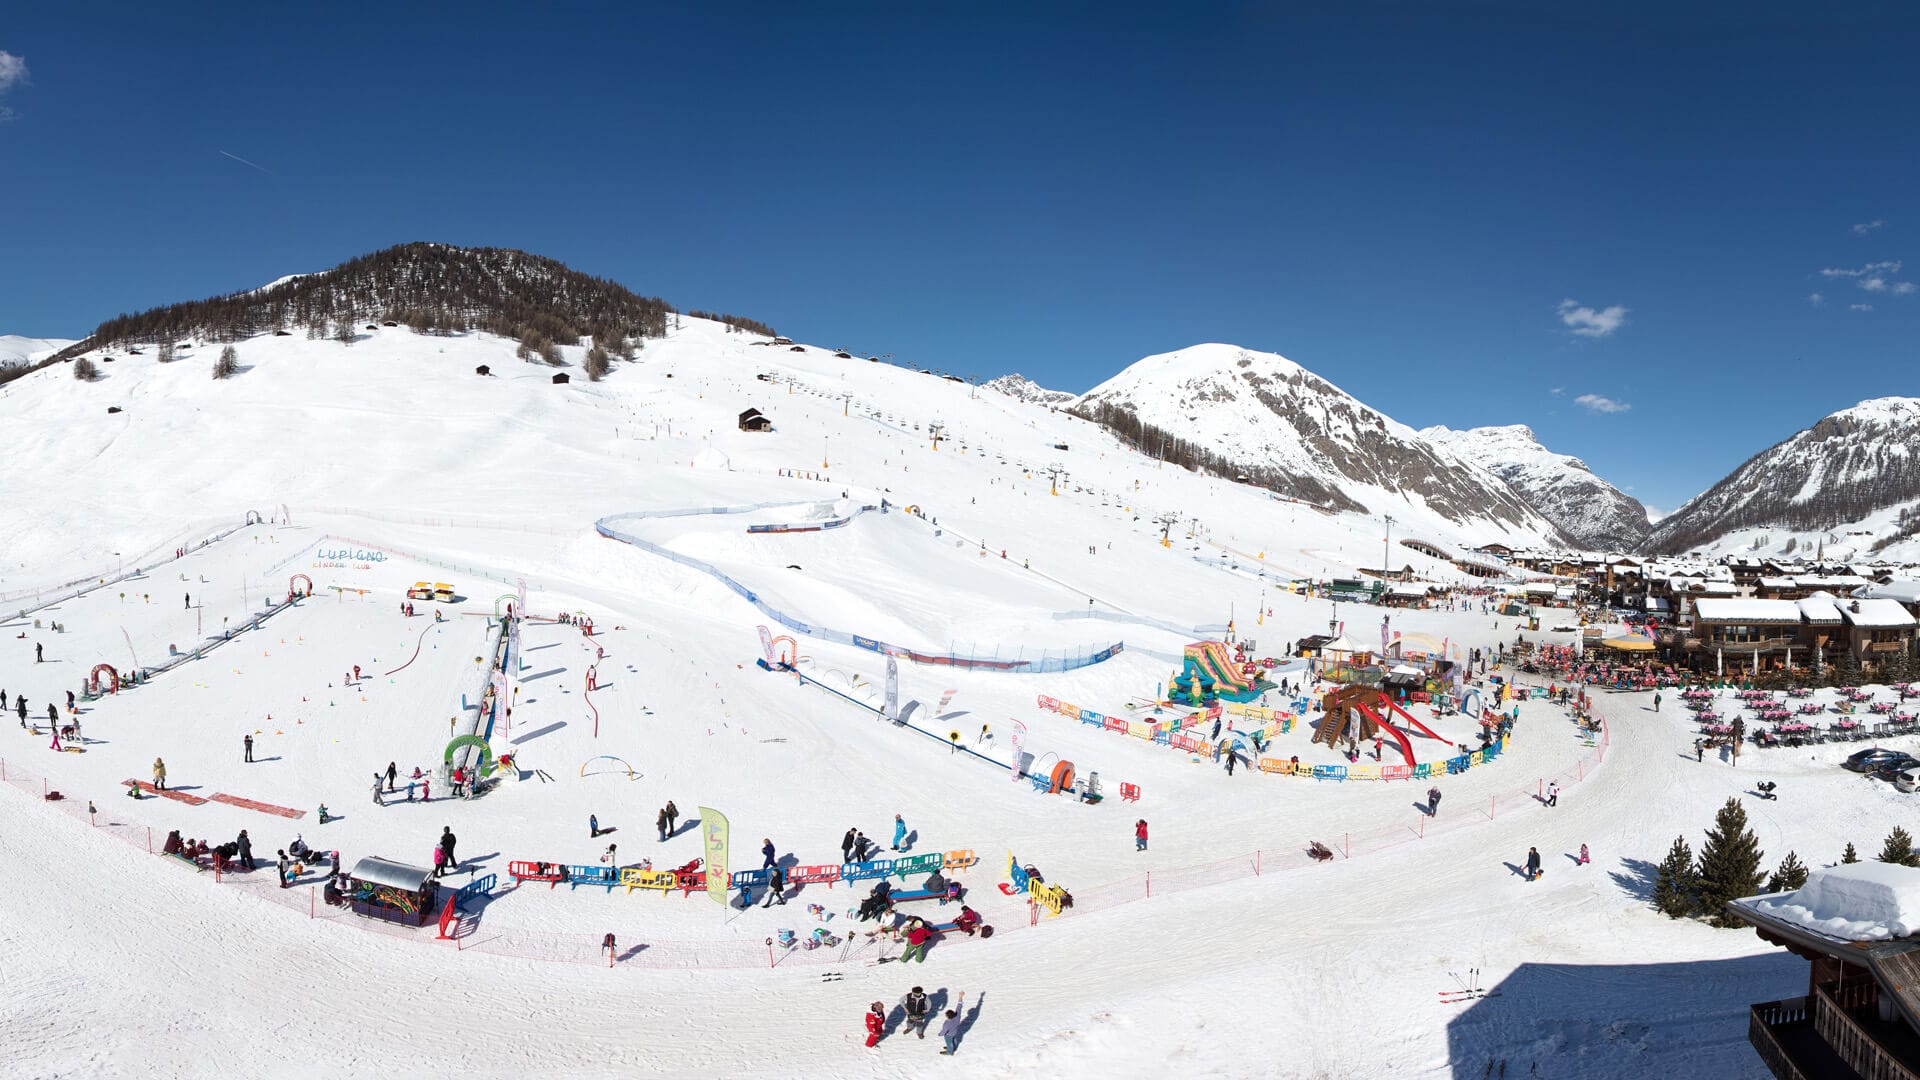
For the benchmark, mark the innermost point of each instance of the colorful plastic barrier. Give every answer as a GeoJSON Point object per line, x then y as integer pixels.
{"type": "Point", "coordinates": [863, 871]}
{"type": "Point", "coordinates": [474, 889]}
{"type": "Point", "coordinates": [635, 878]}
{"type": "Point", "coordinates": [607, 876]}
{"type": "Point", "coordinates": [528, 870]}
{"type": "Point", "coordinates": [930, 863]}
{"type": "Point", "coordinates": [958, 860]}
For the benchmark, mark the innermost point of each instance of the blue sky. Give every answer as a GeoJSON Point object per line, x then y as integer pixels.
{"type": "Point", "coordinates": [1608, 223]}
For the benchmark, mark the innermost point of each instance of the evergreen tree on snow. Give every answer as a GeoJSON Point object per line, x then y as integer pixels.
{"type": "Point", "coordinates": [1899, 848]}
{"type": "Point", "coordinates": [1729, 863]}
{"type": "Point", "coordinates": [1849, 855]}
{"type": "Point", "coordinates": [1791, 875]}
{"type": "Point", "coordinates": [1676, 883]}
{"type": "Point", "coordinates": [228, 363]}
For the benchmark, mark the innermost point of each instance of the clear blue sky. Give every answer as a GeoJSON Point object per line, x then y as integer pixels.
{"type": "Point", "coordinates": [1400, 198]}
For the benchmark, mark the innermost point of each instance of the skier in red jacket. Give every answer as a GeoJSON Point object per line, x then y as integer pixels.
{"type": "Point", "coordinates": [876, 1022]}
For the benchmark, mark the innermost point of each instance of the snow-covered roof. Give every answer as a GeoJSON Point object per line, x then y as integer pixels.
{"type": "Point", "coordinates": [1876, 614]}
{"type": "Point", "coordinates": [1819, 610]}
{"type": "Point", "coordinates": [1747, 611]}
{"type": "Point", "coordinates": [1776, 583]}
{"type": "Point", "coordinates": [1408, 588]}
{"type": "Point", "coordinates": [1718, 588]}
{"type": "Point", "coordinates": [1907, 592]}
{"type": "Point", "coordinates": [1863, 901]}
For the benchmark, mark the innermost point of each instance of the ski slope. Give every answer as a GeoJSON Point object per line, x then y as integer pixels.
{"type": "Point", "coordinates": [1198, 951]}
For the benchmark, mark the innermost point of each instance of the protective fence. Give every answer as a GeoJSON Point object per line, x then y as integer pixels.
{"type": "Point", "coordinates": [1015, 659]}
{"type": "Point", "coordinates": [45, 596]}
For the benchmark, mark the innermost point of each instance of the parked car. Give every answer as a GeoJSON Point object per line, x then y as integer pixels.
{"type": "Point", "coordinates": [1890, 769]}
{"type": "Point", "coordinates": [1906, 781]}
{"type": "Point", "coordinates": [1871, 758]}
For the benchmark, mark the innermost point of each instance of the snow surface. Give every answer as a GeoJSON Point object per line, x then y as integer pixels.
{"type": "Point", "coordinates": [1222, 949]}
{"type": "Point", "coordinates": [1863, 901]}
{"type": "Point", "coordinates": [15, 350]}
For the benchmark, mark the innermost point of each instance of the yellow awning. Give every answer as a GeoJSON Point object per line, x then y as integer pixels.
{"type": "Point", "coordinates": [1629, 644]}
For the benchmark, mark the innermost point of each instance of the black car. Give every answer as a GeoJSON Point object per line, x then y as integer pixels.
{"type": "Point", "coordinates": [1891, 768]}
{"type": "Point", "coordinates": [1872, 758]}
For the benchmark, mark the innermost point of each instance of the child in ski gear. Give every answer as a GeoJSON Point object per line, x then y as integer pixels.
{"type": "Point", "coordinates": [876, 1023]}
{"type": "Point", "coordinates": [1553, 793]}
{"type": "Point", "coordinates": [776, 887]}
{"type": "Point", "coordinates": [899, 832]}
{"type": "Point", "coordinates": [593, 826]}
{"type": "Point", "coordinates": [968, 921]}
{"type": "Point", "coordinates": [1140, 835]}
{"type": "Point", "coordinates": [1583, 855]}
{"type": "Point", "coordinates": [1433, 801]}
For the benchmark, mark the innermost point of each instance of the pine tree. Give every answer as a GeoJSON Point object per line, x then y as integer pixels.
{"type": "Point", "coordinates": [1849, 855]}
{"type": "Point", "coordinates": [1676, 883]}
{"type": "Point", "coordinates": [1899, 849]}
{"type": "Point", "coordinates": [228, 363]}
{"type": "Point", "coordinates": [1729, 863]}
{"type": "Point", "coordinates": [166, 352]}
{"type": "Point", "coordinates": [1791, 875]}
{"type": "Point", "coordinates": [344, 333]}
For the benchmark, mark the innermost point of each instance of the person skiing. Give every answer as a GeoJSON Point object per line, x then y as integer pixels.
{"type": "Point", "coordinates": [919, 1010]}
{"type": "Point", "coordinates": [673, 818]}
{"type": "Point", "coordinates": [766, 854]}
{"type": "Point", "coordinates": [660, 823]}
{"type": "Point", "coordinates": [392, 772]}
{"type": "Point", "coordinates": [1433, 801]}
{"type": "Point", "coordinates": [446, 845]}
{"type": "Point", "coordinates": [1140, 835]}
{"type": "Point", "coordinates": [876, 1023]}
{"type": "Point", "coordinates": [950, 1031]}
{"type": "Point", "coordinates": [1533, 864]}
{"type": "Point", "coordinates": [246, 745]}
{"type": "Point", "coordinates": [776, 888]}
{"type": "Point", "coordinates": [899, 832]}
{"type": "Point", "coordinates": [159, 775]}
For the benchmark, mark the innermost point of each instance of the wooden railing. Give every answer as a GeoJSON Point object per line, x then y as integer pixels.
{"type": "Point", "coordinates": [1855, 1045]}
{"type": "Point", "coordinates": [1761, 1021]}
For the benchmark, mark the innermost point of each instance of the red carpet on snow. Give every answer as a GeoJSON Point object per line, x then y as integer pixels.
{"type": "Point", "coordinates": [176, 796]}
{"type": "Point", "coordinates": [265, 808]}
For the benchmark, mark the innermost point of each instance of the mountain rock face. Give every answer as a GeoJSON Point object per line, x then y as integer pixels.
{"type": "Point", "coordinates": [1561, 487]}
{"type": "Point", "coordinates": [1227, 409]}
{"type": "Point", "coordinates": [1025, 389]}
{"type": "Point", "coordinates": [1855, 464]}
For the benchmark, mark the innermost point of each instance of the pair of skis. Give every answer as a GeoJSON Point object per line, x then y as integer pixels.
{"type": "Point", "coordinates": [1469, 988]}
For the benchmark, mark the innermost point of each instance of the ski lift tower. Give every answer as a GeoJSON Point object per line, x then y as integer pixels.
{"type": "Point", "coordinates": [1056, 472]}
{"type": "Point", "coordinates": [934, 429]}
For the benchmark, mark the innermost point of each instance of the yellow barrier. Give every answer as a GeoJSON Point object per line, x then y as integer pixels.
{"type": "Point", "coordinates": [1140, 729]}
{"type": "Point", "coordinates": [1047, 896]}
{"type": "Point", "coordinates": [1363, 772]}
{"type": "Point", "coordinates": [1276, 765]}
{"type": "Point", "coordinates": [635, 878]}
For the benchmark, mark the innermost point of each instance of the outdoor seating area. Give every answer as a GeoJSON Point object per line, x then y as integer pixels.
{"type": "Point", "coordinates": [1765, 718]}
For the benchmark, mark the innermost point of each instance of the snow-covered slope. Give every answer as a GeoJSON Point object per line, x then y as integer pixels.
{"type": "Point", "coordinates": [1294, 431]}
{"type": "Point", "coordinates": [1025, 389]}
{"type": "Point", "coordinates": [15, 349]}
{"type": "Point", "coordinates": [1851, 473]}
{"type": "Point", "coordinates": [1560, 486]}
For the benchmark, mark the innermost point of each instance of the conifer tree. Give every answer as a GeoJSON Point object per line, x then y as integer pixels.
{"type": "Point", "coordinates": [1674, 886]}
{"type": "Point", "coordinates": [1729, 862]}
{"type": "Point", "coordinates": [1898, 848]}
{"type": "Point", "coordinates": [1791, 875]}
{"type": "Point", "coordinates": [228, 363]}
{"type": "Point", "coordinates": [1849, 855]}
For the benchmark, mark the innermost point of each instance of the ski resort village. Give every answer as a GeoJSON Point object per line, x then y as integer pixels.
{"type": "Point", "coordinates": [620, 613]}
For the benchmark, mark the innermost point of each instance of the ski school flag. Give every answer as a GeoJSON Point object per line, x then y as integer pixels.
{"type": "Point", "coordinates": [1019, 737]}
{"type": "Point", "coordinates": [766, 643]}
{"type": "Point", "coordinates": [713, 833]}
{"type": "Point", "coordinates": [892, 711]}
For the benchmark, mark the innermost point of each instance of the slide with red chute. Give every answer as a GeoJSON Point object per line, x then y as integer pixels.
{"type": "Point", "coordinates": [1406, 745]}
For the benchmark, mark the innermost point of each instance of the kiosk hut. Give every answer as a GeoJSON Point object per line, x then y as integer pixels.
{"type": "Point", "coordinates": [392, 891]}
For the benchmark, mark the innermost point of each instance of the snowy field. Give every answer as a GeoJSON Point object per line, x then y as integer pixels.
{"type": "Point", "coordinates": [1221, 951]}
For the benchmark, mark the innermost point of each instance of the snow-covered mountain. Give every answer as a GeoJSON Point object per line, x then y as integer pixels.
{"type": "Point", "coordinates": [1853, 472]}
{"type": "Point", "coordinates": [1025, 389]}
{"type": "Point", "coordinates": [16, 350]}
{"type": "Point", "coordinates": [1560, 486]}
{"type": "Point", "coordinates": [1233, 409]}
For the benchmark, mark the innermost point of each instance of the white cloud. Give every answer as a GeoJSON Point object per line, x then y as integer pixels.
{"type": "Point", "coordinates": [13, 71]}
{"type": "Point", "coordinates": [1816, 299]}
{"type": "Point", "coordinates": [1557, 391]}
{"type": "Point", "coordinates": [1866, 227]}
{"type": "Point", "coordinates": [1859, 307]}
{"type": "Point", "coordinates": [1875, 277]}
{"type": "Point", "coordinates": [1594, 403]}
{"type": "Point", "coordinates": [1586, 322]}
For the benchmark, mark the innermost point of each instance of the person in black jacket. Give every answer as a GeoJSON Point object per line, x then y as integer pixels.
{"type": "Point", "coordinates": [243, 848]}
{"type": "Point", "coordinates": [776, 887]}
{"type": "Point", "coordinates": [919, 1010]}
{"type": "Point", "coordinates": [846, 842]}
{"type": "Point", "coordinates": [446, 845]}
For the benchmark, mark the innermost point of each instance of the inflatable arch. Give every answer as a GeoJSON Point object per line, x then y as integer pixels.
{"type": "Point", "coordinates": [255, 517]}
{"type": "Point", "coordinates": [611, 765]}
{"type": "Point", "coordinates": [292, 581]}
{"type": "Point", "coordinates": [1062, 778]}
{"type": "Point", "coordinates": [93, 680]}
{"type": "Point", "coordinates": [486, 765]}
{"type": "Point", "coordinates": [509, 599]}
{"type": "Point", "coordinates": [790, 654]}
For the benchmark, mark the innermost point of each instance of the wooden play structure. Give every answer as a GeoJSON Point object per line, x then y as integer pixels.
{"type": "Point", "coordinates": [1359, 713]}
